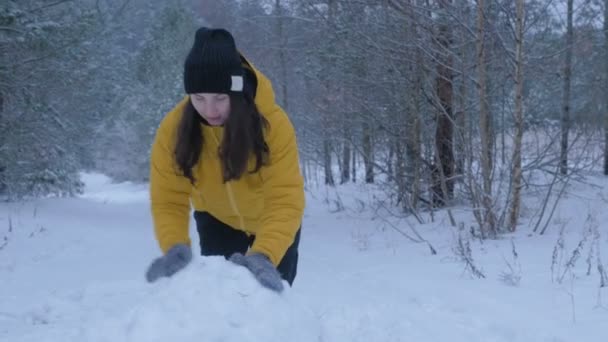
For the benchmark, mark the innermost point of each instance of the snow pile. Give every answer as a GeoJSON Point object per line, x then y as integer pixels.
{"type": "Point", "coordinates": [210, 300]}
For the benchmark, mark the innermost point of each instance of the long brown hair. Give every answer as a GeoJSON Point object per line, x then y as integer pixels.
{"type": "Point", "coordinates": [243, 136]}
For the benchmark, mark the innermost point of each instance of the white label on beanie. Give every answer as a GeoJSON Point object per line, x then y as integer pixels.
{"type": "Point", "coordinates": [237, 83]}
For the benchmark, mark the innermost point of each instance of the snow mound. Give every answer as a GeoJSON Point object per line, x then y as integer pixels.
{"type": "Point", "coordinates": [210, 300]}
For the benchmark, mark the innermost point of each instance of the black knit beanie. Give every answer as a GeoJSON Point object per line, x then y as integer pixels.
{"type": "Point", "coordinates": [213, 64]}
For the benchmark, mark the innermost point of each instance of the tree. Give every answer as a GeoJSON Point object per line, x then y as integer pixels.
{"type": "Point", "coordinates": [484, 123]}
{"type": "Point", "coordinates": [39, 42]}
{"type": "Point", "coordinates": [282, 38]}
{"type": "Point", "coordinates": [519, 119]}
{"type": "Point", "coordinates": [328, 97]}
{"type": "Point", "coordinates": [606, 87]}
{"type": "Point", "coordinates": [566, 94]}
{"type": "Point", "coordinates": [156, 85]}
{"type": "Point", "coordinates": [414, 123]}
{"type": "Point", "coordinates": [445, 121]}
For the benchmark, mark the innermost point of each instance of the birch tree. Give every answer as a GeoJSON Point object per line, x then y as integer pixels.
{"type": "Point", "coordinates": [519, 116]}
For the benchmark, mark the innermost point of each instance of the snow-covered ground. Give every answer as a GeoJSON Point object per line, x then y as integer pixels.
{"type": "Point", "coordinates": [73, 270]}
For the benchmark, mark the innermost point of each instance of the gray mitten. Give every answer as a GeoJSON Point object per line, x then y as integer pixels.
{"type": "Point", "coordinates": [262, 269]}
{"type": "Point", "coordinates": [176, 258]}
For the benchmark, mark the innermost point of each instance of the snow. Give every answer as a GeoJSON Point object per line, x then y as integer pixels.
{"type": "Point", "coordinates": [72, 269]}
{"type": "Point", "coordinates": [212, 299]}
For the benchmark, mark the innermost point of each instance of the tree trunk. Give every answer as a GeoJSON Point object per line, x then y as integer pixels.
{"type": "Point", "coordinates": [606, 87]}
{"type": "Point", "coordinates": [519, 117]}
{"type": "Point", "coordinates": [484, 123]}
{"type": "Point", "coordinates": [460, 114]}
{"type": "Point", "coordinates": [503, 127]}
{"type": "Point", "coordinates": [329, 176]}
{"type": "Point", "coordinates": [282, 55]}
{"type": "Point", "coordinates": [445, 126]}
{"type": "Point", "coordinates": [345, 177]}
{"type": "Point", "coordinates": [393, 142]}
{"type": "Point", "coordinates": [368, 153]}
{"type": "Point", "coordinates": [354, 159]}
{"type": "Point", "coordinates": [2, 138]}
{"type": "Point", "coordinates": [328, 103]}
{"type": "Point", "coordinates": [400, 176]}
{"type": "Point", "coordinates": [566, 99]}
{"type": "Point", "coordinates": [413, 145]}
{"type": "Point", "coordinates": [460, 117]}
{"type": "Point", "coordinates": [490, 16]}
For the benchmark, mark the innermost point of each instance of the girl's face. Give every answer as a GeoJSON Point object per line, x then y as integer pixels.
{"type": "Point", "coordinates": [213, 107]}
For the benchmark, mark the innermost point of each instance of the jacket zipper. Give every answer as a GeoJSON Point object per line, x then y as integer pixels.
{"type": "Point", "coordinates": [231, 199]}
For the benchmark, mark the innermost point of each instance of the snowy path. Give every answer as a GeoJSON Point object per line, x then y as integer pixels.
{"type": "Point", "coordinates": [73, 267]}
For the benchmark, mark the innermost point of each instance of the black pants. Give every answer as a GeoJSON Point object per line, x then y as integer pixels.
{"type": "Point", "coordinates": [217, 238]}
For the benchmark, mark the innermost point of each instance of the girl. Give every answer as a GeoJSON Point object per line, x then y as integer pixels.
{"type": "Point", "coordinates": [229, 151]}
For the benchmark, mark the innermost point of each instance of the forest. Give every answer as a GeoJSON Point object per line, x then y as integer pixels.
{"type": "Point", "coordinates": [439, 103]}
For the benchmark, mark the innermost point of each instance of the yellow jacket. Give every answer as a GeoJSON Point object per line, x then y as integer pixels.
{"type": "Point", "coordinates": [268, 204]}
